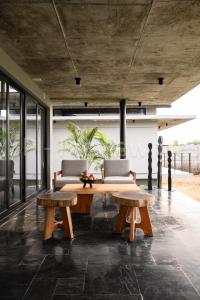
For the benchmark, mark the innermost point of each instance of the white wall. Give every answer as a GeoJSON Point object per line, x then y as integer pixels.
{"type": "Point", "coordinates": [138, 136]}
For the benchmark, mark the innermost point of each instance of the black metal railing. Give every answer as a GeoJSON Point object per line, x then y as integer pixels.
{"type": "Point", "coordinates": [187, 162]}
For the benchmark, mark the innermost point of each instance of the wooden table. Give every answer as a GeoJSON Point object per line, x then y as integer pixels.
{"type": "Point", "coordinates": [128, 202]}
{"type": "Point", "coordinates": [85, 195]}
{"type": "Point", "coordinates": [51, 201]}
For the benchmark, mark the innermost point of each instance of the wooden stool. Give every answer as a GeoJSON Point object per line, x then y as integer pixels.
{"type": "Point", "coordinates": [128, 202]}
{"type": "Point", "coordinates": [51, 201]}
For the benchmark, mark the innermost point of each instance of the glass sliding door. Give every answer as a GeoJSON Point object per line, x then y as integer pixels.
{"type": "Point", "coordinates": [22, 145]}
{"type": "Point", "coordinates": [14, 145]}
{"type": "Point", "coordinates": [40, 147]}
{"type": "Point", "coordinates": [35, 145]}
{"type": "Point", "coordinates": [3, 147]}
{"type": "Point", "coordinates": [31, 146]}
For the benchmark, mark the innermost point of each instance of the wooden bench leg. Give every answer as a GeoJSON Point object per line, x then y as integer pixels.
{"type": "Point", "coordinates": [67, 222]}
{"type": "Point", "coordinates": [49, 222]}
{"type": "Point", "coordinates": [121, 219]}
{"type": "Point", "coordinates": [132, 223]}
{"type": "Point", "coordinates": [145, 221]}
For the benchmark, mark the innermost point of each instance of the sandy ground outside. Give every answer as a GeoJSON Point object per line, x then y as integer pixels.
{"type": "Point", "coordinates": [189, 186]}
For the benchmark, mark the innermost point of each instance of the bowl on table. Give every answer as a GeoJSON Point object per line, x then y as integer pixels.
{"type": "Point", "coordinates": [87, 179]}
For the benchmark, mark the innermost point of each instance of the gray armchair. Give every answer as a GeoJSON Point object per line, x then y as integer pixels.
{"type": "Point", "coordinates": [69, 173]}
{"type": "Point", "coordinates": [3, 178]}
{"type": "Point", "coordinates": [118, 171]}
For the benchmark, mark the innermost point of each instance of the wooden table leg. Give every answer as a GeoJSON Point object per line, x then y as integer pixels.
{"type": "Point", "coordinates": [67, 222]}
{"type": "Point", "coordinates": [121, 219]}
{"type": "Point", "coordinates": [132, 223]}
{"type": "Point", "coordinates": [49, 222]}
{"type": "Point", "coordinates": [145, 221]}
{"type": "Point", "coordinates": [84, 203]}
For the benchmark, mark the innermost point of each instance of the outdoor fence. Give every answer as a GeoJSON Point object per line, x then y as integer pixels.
{"type": "Point", "coordinates": [188, 162]}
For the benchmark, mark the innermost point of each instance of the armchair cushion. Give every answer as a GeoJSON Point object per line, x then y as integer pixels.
{"type": "Point", "coordinates": [3, 164]}
{"type": "Point", "coordinates": [119, 179]}
{"type": "Point", "coordinates": [117, 167]}
{"type": "Point", "coordinates": [3, 179]}
{"type": "Point", "coordinates": [62, 180]}
{"type": "Point", "coordinates": [2, 183]}
{"type": "Point", "coordinates": [73, 167]}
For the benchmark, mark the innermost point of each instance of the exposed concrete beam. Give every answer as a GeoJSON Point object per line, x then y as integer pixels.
{"type": "Point", "coordinates": [15, 72]}
{"type": "Point", "coordinates": [110, 102]}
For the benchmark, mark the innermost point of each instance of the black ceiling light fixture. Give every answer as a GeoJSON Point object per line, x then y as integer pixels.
{"type": "Point", "coordinates": [86, 104]}
{"type": "Point", "coordinates": [78, 80]}
{"type": "Point", "coordinates": [139, 103]}
{"type": "Point", "coordinates": [160, 80]}
{"type": "Point", "coordinates": [66, 45]}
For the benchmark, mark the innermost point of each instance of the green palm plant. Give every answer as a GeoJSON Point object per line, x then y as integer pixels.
{"type": "Point", "coordinates": [107, 150]}
{"type": "Point", "coordinates": [81, 143]}
{"type": "Point", "coordinates": [13, 142]}
{"type": "Point", "coordinates": [91, 144]}
{"type": "Point", "coordinates": [2, 144]}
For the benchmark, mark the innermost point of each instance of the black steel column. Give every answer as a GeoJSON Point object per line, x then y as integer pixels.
{"type": "Point", "coordinates": [169, 170]}
{"type": "Point", "coordinates": [160, 141]}
{"type": "Point", "coordinates": [123, 128]}
{"type": "Point", "coordinates": [150, 167]}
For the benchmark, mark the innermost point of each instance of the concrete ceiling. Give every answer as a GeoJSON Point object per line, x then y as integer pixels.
{"type": "Point", "coordinates": [119, 47]}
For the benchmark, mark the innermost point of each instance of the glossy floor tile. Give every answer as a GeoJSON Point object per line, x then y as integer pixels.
{"type": "Point", "coordinates": [98, 264]}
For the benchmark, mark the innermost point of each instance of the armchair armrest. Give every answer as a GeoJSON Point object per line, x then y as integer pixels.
{"type": "Point", "coordinates": [133, 174]}
{"type": "Point", "coordinates": [56, 174]}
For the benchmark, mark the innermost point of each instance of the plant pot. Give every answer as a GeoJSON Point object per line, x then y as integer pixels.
{"type": "Point", "coordinates": [87, 181]}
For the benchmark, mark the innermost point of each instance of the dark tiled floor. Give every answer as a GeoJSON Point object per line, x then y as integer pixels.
{"type": "Point", "coordinates": [100, 265]}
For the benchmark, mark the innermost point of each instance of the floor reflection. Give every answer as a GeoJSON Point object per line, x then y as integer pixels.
{"type": "Point", "coordinates": [98, 264]}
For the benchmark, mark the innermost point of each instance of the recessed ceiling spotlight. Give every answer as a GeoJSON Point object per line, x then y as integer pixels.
{"type": "Point", "coordinates": [78, 80]}
{"type": "Point", "coordinates": [37, 79]}
{"type": "Point", "coordinates": [160, 80]}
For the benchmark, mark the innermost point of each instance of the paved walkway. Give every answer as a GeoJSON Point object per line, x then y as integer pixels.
{"type": "Point", "coordinates": [100, 265]}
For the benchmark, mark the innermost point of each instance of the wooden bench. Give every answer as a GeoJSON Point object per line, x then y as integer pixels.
{"type": "Point", "coordinates": [128, 202]}
{"type": "Point", "coordinates": [51, 201]}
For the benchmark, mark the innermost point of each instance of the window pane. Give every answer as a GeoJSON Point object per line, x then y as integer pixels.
{"type": "Point", "coordinates": [30, 145]}
{"type": "Point", "coordinates": [41, 134]}
{"type": "Point", "coordinates": [14, 162]}
{"type": "Point", "coordinates": [3, 175]}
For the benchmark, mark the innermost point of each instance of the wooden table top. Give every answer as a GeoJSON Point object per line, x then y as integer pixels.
{"type": "Point", "coordinates": [57, 199]}
{"type": "Point", "coordinates": [135, 198]}
{"type": "Point", "coordinates": [99, 188]}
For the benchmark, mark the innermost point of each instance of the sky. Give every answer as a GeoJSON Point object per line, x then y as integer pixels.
{"type": "Point", "coordinates": [189, 104]}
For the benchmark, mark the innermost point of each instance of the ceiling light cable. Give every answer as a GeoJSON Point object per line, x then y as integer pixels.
{"type": "Point", "coordinates": [64, 36]}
